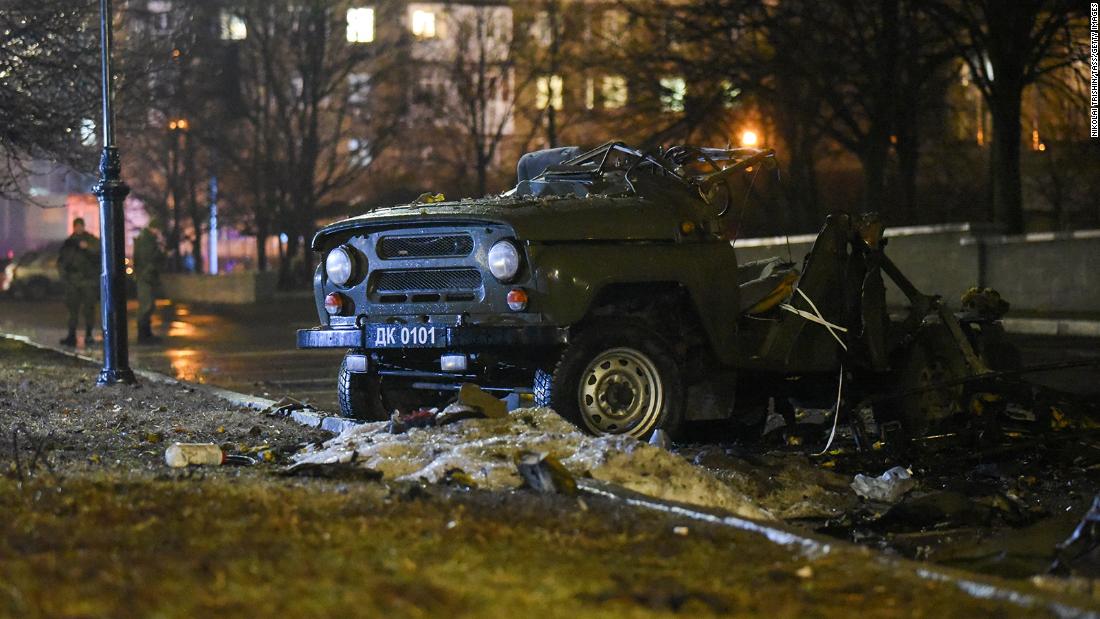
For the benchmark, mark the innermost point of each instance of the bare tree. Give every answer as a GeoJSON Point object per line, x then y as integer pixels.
{"type": "Point", "coordinates": [49, 86]}
{"type": "Point", "coordinates": [1007, 46]}
{"type": "Point", "coordinates": [544, 54]}
{"type": "Point", "coordinates": [469, 83]}
{"type": "Point", "coordinates": [168, 62]}
{"type": "Point", "coordinates": [313, 116]}
{"type": "Point", "coordinates": [870, 66]}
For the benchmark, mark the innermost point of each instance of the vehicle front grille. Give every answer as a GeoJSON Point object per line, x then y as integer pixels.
{"type": "Point", "coordinates": [450, 245]}
{"type": "Point", "coordinates": [427, 285]}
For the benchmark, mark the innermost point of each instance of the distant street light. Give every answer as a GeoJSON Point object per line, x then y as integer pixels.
{"type": "Point", "coordinates": [749, 138]}
{"type": "Point", "coordinates": [213, 266]}
{"type": "Point", "coordinates": [111, 192]}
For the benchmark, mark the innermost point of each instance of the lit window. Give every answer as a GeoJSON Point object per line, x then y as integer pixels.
{"type": "Point", "coordinates": [589, 93]}
{"type": "Point", "coordinates": [233, 27]}
{"type": "Point", "coordinates": [423, 24]}
{"type": "Point", "coordinates": [613, 91]}
{"type": "Point", "coordinates": [87, 132]}
{"type": "Point", "coordinates": [360, 25]}
{"type": "Point", "coordinates": [549, 92]}
{"type": "Point", "coordinates": [729, 94]}
{"type": "Point", "coordinates": [673, 92]}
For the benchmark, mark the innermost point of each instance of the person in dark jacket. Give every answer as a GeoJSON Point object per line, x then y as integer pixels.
{"type": "Point", "coordinates": [148, 261]}
{"type": "Point", "coordinates": [79, 265]}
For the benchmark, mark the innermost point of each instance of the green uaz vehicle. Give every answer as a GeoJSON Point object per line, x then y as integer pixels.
{"type": "Point", "coordinates": [605, 284]}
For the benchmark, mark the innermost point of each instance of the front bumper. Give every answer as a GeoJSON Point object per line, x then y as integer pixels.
{"type": "Point", "coordinates": [454, 338]}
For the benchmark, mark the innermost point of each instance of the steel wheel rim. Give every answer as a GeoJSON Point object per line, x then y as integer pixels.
{"type": "Point", "coordinates": [620, 392]}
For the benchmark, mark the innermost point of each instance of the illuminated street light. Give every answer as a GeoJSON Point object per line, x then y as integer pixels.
{"type": "Point", "coordinates": [749, 138]}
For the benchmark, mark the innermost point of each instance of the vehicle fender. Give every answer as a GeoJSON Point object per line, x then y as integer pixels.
{"type": "Point", "coordinates": [568, 277]}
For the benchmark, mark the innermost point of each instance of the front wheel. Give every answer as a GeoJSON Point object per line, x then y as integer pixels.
{"type": "Point", "coordinates": [370, 397]}
{"type": "Point", "coordinates": [359, 394]}
{"type": "Point", "coordinates": [616, 379]}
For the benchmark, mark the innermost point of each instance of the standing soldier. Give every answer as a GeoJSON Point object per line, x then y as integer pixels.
{"type": "Point", "coordinates": [148, 259]}
{"type": "Point", "coordinates": [79, 266]}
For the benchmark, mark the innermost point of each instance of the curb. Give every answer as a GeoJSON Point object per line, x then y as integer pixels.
{"type": "Point", "coordinates": [1057, 327]}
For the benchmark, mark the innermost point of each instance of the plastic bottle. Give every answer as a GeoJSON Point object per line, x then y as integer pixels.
{"type": "Point", "coordinates": [179, 455]}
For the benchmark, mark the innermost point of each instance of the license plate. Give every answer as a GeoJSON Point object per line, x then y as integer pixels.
{"type": "Point", "coordinates": [406, 336]}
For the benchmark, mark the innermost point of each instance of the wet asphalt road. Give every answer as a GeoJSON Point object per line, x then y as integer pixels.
{"type": "Point", "coordinates": [251, 348]}
{"type": "Point", "coordinates": [248, 348]}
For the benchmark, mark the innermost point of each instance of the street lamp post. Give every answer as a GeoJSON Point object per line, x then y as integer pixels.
{"type": "Point", "coordinates": [111, 192]}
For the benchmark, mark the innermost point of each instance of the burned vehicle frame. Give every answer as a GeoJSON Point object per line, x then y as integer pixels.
{"type": "Point", "coordinates": [606, 285]}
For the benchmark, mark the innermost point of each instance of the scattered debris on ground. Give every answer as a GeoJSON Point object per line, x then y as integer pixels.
{"type": "Point", "coordinates": [471, 403]}
{"type": "Point", "coordinates": [788, 484]}
{"type": "Point", "coordinates": [179, 455]}
{"type": "Point", "coordinates": [544, 473]}
{"type": "Point", "coordinates": [886, 488]}
{"type": "Point", "coordinates": [485, 450]}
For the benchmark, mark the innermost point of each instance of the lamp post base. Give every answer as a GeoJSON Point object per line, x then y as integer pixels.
{"type": "Point", "coordinates": [107, 377]}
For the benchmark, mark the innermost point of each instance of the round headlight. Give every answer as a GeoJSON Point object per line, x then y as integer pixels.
{"type": "Point", "coordinates": [339, 266]}
{"type": "Point", "coordinates": [504, 260]}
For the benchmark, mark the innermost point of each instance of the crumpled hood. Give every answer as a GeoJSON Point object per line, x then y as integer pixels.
{"type": "Point", "coordinates": [597, 218]}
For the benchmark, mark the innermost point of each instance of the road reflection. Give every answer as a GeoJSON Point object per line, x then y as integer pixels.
{"type": "Point", "coordinates": [246, 348]}
{"type": "Point", "coordinates": [179, 328]}
{"type": "Point", "coordinates": [185, 364]}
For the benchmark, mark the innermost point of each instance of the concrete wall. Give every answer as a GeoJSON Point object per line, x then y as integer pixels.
{"type": "Point", "coordinates": [1050, 273]}
{"type": "Point", "coordinates": [227, 288]}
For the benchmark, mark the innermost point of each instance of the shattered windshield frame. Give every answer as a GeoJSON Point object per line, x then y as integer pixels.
{"type": "Point", "coordinates": [609, 170]}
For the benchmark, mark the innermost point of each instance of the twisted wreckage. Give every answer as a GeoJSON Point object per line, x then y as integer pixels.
{"type": "Point", "coordinates": [606, 286]}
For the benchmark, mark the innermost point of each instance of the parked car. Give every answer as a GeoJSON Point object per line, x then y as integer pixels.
{"type": "Point", "coordinates": [606, 285]}
{"type": "Point", "coordinates": [34, 275]}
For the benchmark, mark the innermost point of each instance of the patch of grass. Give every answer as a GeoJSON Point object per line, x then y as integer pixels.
{"type": "Point", "coordinates": [109, 545]}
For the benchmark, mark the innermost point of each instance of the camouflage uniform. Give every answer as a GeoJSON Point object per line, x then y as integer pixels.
{"type": "Point", "coordinates": [148, 259]}
{"type": "Point", "coordinates": [79, 265]}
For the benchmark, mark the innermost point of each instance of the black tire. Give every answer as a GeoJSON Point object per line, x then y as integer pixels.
{"type": "Point", "coordinates": [367, 396]}
{"type": "Point", "coordinates": [543, 388]}
{"type": "Point", "coordinates": [359, 395]}
{"type": "Point", "coordinates": [636, 362]}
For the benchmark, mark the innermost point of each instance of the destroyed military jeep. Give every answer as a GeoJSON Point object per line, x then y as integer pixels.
{"type": "Point", "coordinates": [606, 286]}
